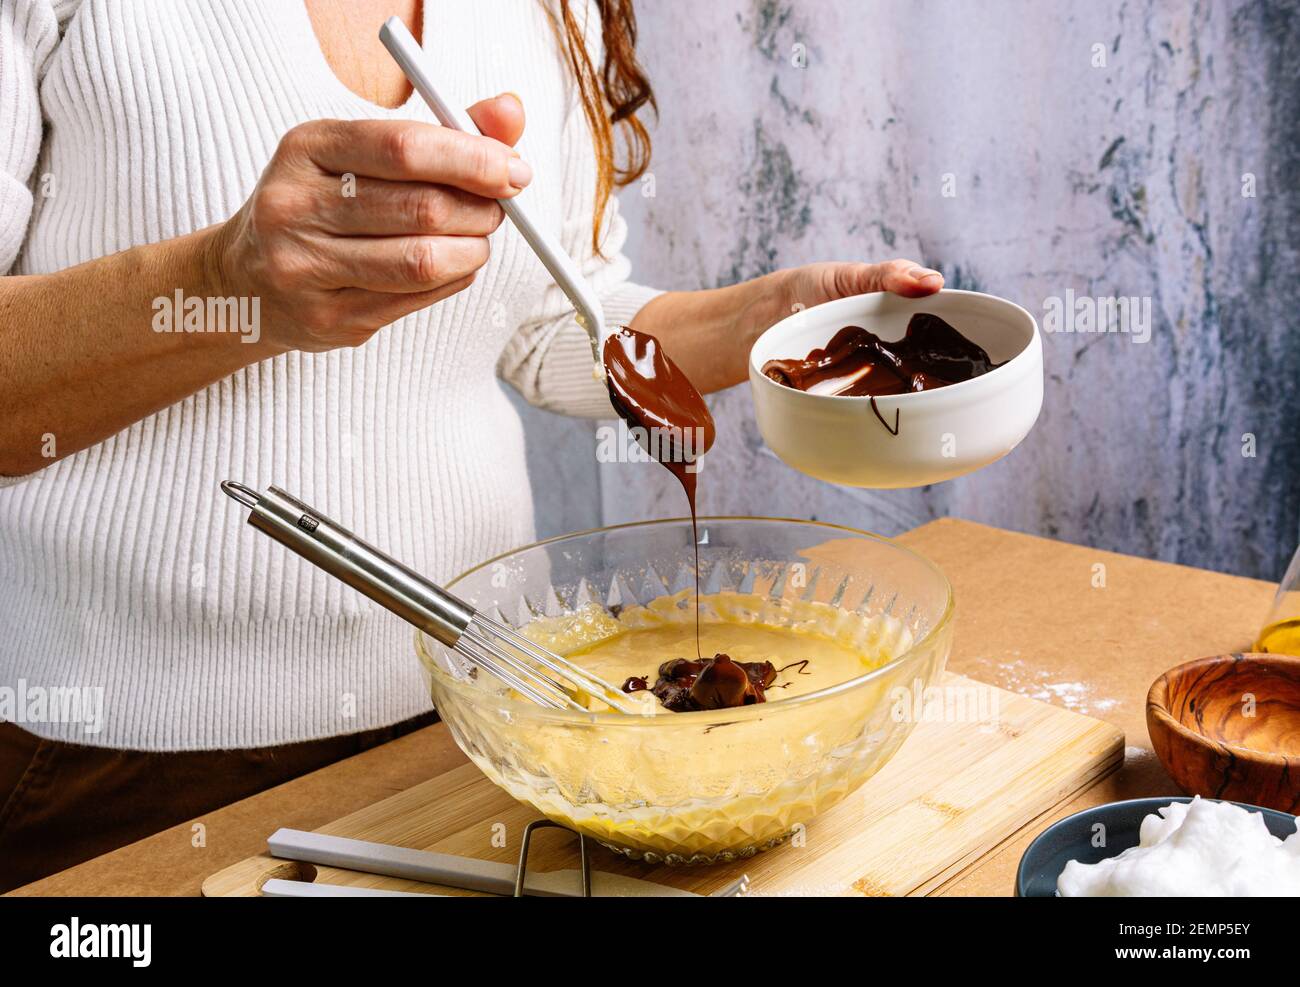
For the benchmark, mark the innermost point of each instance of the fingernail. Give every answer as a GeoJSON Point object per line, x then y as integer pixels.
{"type": "Point", "coordinates": [923, 274]}
{"type": "Point", "coordinates": [520, 173]}
{"type": "Point", "coordinates": [513, 95]}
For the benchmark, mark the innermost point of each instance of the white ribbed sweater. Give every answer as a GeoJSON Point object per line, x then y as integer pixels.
{"type": "Point", "coordinates": [123, 568]}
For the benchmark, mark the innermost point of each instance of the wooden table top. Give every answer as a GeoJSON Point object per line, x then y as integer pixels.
{"type": "Point", "coordinates": [1033, 615]}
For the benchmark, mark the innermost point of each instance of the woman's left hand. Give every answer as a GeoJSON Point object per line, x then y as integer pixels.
{"type": "Point", "coordinates": [708, 333]}
{"type": "Point", "coordinates": [812, 284]}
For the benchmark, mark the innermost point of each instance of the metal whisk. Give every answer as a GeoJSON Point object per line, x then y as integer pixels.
{"type": "Point", "coordinates": [532, 671]}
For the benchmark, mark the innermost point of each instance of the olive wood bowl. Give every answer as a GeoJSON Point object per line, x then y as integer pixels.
{"type": "Point", "coordinates": [1228, 727]}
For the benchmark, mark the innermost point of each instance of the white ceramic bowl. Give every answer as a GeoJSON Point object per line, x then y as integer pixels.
{"type": "Point", "coordinates": [942, 433]}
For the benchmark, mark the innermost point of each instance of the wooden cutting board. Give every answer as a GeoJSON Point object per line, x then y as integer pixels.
{"type": "Point", "coordinates": [952, 793]}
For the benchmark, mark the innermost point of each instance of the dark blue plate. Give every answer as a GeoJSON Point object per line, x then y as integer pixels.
{"type": "Point", "coordinates": [1071, 839]}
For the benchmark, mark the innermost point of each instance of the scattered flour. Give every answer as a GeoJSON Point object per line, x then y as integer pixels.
{"type": "Point", "coordinates": [1132, 755]}
{"type": "Point", "coordinates": [1037, 683]}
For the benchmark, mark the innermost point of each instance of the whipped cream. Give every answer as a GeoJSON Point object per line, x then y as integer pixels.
{"type": "Point", "coordinates": [1200, 848]}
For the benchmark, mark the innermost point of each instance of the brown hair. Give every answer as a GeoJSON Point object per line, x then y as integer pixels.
{"type": "Point", "coordinates": [611, 97]}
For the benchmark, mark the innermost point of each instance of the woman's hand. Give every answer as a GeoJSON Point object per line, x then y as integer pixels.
{"type": "Point", "coordinates": [329, 269]}
{"type": "Point", "coordinates": [709, 333]}
{"type": "Point", "coordinates": [356, 223]}
{"type": "Point", "coordinates": [812, 284]}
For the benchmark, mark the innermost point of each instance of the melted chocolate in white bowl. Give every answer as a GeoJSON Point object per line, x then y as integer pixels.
{"type": "Point", "coordinates": [858, 363]}
{"type": "Point", "coordinates": [674, 425]}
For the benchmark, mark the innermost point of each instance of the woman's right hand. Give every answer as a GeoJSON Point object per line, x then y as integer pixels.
{"type": "Point", "coordinates": [356, 223]}
{"type": "Point", "coordinates": [328, 268]}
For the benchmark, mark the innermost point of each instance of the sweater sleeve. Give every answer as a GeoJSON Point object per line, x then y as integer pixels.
{"type": "Point", "coordinates": [29, 33]}
{"type": "Point", "coordinates": [549, 359]}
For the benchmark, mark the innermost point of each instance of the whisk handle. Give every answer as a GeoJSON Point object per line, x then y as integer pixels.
{"type": "Point", "coordinates": [329, 546]}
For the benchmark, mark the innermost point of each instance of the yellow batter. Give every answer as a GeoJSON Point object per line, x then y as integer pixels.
{"type": "Point", "coordinates": [692, 786]}
{"type": "Point", "coordinates": [835, 644]}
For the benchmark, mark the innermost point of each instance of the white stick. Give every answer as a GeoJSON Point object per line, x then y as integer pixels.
{"type": "Point", "coordinates": [278, 888]}
{"type": "Point", "coordinates": [407, 52]}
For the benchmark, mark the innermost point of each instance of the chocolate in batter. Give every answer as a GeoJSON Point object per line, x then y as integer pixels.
{"type": "Point", "coordinates": [858, 363]}
{"type": "Point", "coordinates": [684, 686]}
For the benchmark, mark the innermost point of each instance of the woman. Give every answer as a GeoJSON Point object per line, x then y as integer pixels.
{"type": "Point", "coordinates": [238, 248]}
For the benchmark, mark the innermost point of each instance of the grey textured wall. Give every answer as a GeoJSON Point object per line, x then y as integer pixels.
{"type": "Point", "coordinates": [561, 469]}
{"type": "Point", "coordinates": [1117, 179]}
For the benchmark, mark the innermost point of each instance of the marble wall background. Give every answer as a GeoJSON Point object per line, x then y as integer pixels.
{"type": "Point", "coordinates": [1115, 179]}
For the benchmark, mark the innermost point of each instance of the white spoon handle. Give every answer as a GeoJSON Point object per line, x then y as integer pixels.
{"type": "Point", "coordinates": [408, 54]}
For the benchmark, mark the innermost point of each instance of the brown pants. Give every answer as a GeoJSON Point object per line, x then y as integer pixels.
{"type": "Point", "coordinates": [62, 803]}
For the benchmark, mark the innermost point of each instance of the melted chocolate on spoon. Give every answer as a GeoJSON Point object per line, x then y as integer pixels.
{"type": "Point", "coordinates": [857, 362]}
{"type": "Point", "coordinates": [671, 420]}
{"type": "Point", "coordinates": [673, 424]}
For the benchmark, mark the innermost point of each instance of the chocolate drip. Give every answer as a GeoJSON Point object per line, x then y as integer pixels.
{"type": "Point", "coordinates": [857, 362]}
{"type": "Point", "coordinates": [666, 412]}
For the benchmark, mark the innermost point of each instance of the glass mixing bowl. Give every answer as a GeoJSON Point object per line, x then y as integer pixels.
{"type": "Point", "coordinates": [711, 785]}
